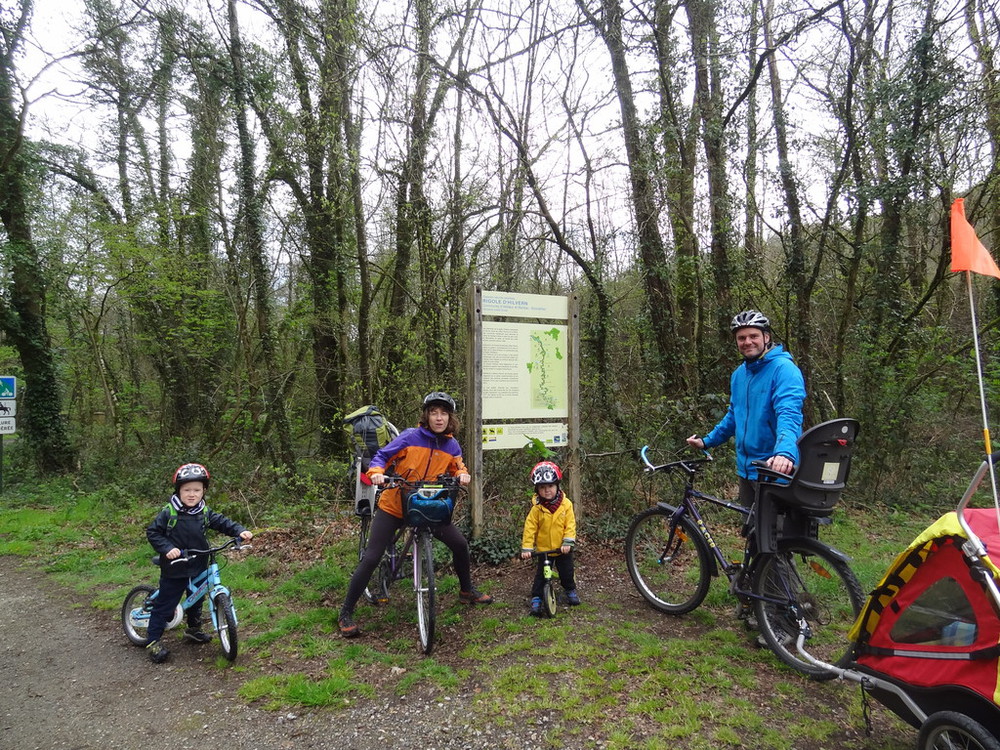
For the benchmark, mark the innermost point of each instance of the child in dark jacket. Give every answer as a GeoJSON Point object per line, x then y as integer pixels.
{"type": "Point", "coordinates": [181, 525]}
{"type": "Point", "coordinates": [550, 525]}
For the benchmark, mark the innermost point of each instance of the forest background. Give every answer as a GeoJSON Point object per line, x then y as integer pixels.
{"type": "Point", "coordinates": [227, 224]}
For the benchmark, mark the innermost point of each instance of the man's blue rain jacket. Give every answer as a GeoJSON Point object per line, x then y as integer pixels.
{"type": "Point", "coordinates": [765, 411]}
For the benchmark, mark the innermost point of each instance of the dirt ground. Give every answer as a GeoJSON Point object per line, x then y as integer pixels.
{"type": "Point", "coordinates": [70, 680]}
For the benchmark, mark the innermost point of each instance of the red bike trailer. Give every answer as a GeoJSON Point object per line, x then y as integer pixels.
{"type": "Point", "coordinates": [927, 642]}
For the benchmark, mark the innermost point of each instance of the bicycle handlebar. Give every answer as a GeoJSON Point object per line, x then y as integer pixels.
{"type": "Point", "coordinates": [447, 480]}
{"type": "Point", "coordinates": [547, 552]}
{"type": "Point", "coordinates": [689, 466]}
{"type": "Point", "coordinates": [188, 554]}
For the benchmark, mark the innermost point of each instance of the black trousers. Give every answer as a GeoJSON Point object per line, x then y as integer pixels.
{"type": "Point", "coordinates": [171, 591]}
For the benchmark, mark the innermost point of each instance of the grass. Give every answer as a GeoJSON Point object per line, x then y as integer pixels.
{"type": "Point", "coordinates": [629, 676]}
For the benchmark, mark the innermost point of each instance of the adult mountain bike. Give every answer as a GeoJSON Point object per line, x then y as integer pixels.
{"type": "Point", "coordinates": [411, 551]}
{"type": "Point", "coordinates": [672, 555]}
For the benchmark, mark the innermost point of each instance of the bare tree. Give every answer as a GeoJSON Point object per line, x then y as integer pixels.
{"type": "Point", "coordinates": [22, 307]}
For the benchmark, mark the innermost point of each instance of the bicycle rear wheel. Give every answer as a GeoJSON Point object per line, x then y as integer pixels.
{"type": "Point", "coordinates": [805, 575]}
{"type": "Point", "coordinates": [377, 589]}
{"type": "Point", "coordinates": [135, 613]}
{"type": "Point", "coordinates": [225, 625]}
{"type": "Point", "coordinates": [365, 527]}
{"type": "Point", "coordinates": [423, 583]}
{"type": "Point", "coordinates": [668, 560]}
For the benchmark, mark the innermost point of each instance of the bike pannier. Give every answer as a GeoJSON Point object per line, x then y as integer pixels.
{"type": "Point", "coordinates": [430, 506]}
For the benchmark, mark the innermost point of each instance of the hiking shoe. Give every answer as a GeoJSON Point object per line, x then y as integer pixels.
{"type": "Point", "coordinates": [572, 597]}
{"type": "Point", "coordinates": [474, 597]}
{"type": "Point", "coordinates": [348, 628]}
{"type": "Point", "coordinates": [197, 635]}
{"type": "Point", "coordinates": [536, 605]}
{"type": "Point", "coordinates": [158, 653]}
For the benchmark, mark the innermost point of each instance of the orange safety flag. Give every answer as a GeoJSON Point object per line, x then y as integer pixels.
{"type": "Point", "coordinates": [967, 252]}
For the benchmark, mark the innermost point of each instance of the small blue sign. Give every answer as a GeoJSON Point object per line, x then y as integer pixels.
{"type": "Point", "coordinates": [8, 386]}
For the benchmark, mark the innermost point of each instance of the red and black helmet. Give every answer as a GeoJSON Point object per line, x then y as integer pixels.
{"type": "Point", "coordinates": [190, 473]}
{"type": "Point", "coordinates": [546, 472]}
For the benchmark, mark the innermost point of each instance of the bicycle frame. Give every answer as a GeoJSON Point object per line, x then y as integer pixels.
{"type": "Point", "coordinates": [207, 582]}
{"type": "Point", "coordinates": [736, 572]}
{"type": "Point", "coordinates": [400, 546]}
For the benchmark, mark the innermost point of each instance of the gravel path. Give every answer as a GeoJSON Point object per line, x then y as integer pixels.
{"type": "Point", "coordinates": [70, 681]}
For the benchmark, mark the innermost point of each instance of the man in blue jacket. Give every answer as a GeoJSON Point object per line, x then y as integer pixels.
{"type": "Point", "coordinates": [765, 404]}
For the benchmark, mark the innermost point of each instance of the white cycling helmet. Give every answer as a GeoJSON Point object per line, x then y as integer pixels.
{"type": "Point", "coordinates": [750, 319]}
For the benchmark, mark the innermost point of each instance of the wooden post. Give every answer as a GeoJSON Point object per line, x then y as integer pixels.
{"type": "Point", "coordinates": [573, 428]}
{"type": "Point", "coordinates": [474, 409]}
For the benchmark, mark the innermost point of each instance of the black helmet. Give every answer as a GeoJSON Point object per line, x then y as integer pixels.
{"type": "Point", "coordinates": [750, 319]}
{"type": "Point", "coordinates": [190, 473]}
{"type": "Point", "coordinates": [439, 398]}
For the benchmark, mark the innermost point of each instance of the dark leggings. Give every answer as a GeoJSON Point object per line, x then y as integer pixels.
{"type": "Point", "coordinates": [383, 528]}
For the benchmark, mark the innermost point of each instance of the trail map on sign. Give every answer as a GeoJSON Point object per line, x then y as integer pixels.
{"type": "Point", "coordinates": [548, 369]}
{"type": "Point", "coordinates": [525, 371]}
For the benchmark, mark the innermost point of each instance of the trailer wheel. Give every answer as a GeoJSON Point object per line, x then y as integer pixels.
{"type": "Point", "coordinates": [948, 729]}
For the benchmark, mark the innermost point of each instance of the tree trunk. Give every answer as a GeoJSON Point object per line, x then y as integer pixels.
{"type": "Point", "coordinates": [253, 236]}
{"type": "Point", "coordinates": [795, 251]}
{"type": "Point", "coordinates": [42, 419]}
{"type": "Point", "coordinates": [652, 253]}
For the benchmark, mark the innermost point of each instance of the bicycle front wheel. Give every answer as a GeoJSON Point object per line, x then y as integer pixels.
{"type": "Point", "coordinates": [549, 599]}
{"type": "Point", "coordinates": [668, 560]}
{"type": "Point", "coordinates": [805, 576]}
{"type": "Point", "coordinates": [225, 625]}
{"type": "Point", "coordinates": [423, 584]}
{"type": "Point", "coordinates": [135, 614]}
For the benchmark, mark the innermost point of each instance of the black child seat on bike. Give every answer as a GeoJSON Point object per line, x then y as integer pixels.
{"type": "Point", "coordinates": [824, 464]}
{"type": "Point", "coordinates": [792, 509]}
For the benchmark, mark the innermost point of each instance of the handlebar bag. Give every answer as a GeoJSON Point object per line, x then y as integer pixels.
{"type": "Point", "coordinates": [429, 506]}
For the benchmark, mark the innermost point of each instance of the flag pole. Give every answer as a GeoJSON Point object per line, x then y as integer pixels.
{"type": "Point", "coordinates": [982, 392]}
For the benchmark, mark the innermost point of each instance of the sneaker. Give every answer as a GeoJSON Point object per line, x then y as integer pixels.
{"type": "Point", "coordinates": [197, 635]}
{"type": "Point", "coordinates": [348, 628]}
{"type": "Point", "coordinates": [536, 605]}
{"type": "Point", "coordinates": [572, 597]}
{"type": "Point", "coordinates": [474, 597]}
{"type": "Point", "coordinates": [158, 653]}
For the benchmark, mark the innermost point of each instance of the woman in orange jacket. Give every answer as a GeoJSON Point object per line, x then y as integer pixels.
{"type": "Point", "coordinates": [422, 452]}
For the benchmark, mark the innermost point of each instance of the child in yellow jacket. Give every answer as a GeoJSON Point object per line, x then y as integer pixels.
{"type": "Point", "coordinates": [550, 525]}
